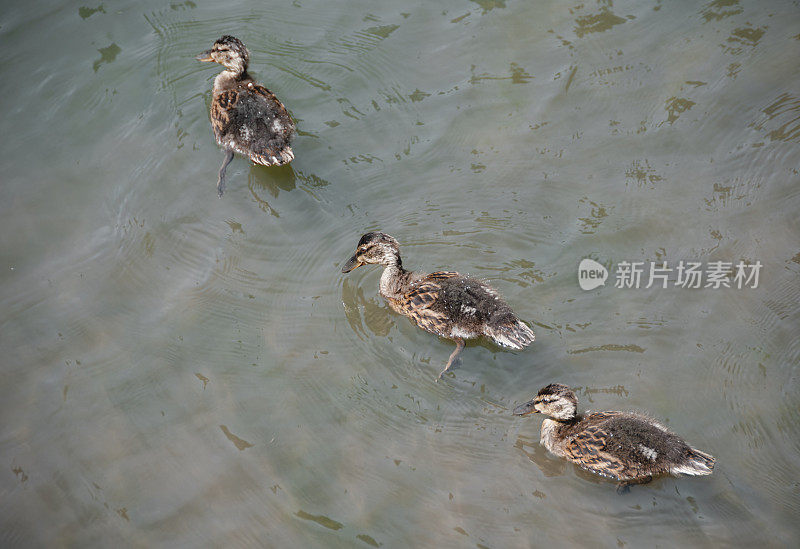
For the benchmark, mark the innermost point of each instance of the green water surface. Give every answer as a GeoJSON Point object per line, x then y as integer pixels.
{"type": "Point", "coordinates": [180, 370]}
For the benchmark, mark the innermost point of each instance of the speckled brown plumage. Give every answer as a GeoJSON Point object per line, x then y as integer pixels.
{"type": "Point", "coordinates": [444, 303]}
{"type": "Point", "coordinates": [625, 446]}
{"type": "Point", "coordinates": [246, 117]}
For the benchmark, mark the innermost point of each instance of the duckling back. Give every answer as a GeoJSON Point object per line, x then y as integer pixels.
{"type": "Point", "coordinates": [637, 439]}
{"type": "Point", "coordinates": [250, 120]}
{"type": "Point", "coordinates": [476, 308]}
{"type": "Point", "coordinates": [627, 446]}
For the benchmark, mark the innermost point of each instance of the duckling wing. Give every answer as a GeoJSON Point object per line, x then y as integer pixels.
{"type": "Point", "coordinates": [418, 304]}
{"type": "Point", "coordinates": [454, 306]}
{"type": "Point", "coordinates": [626, 446]}
{"type": "Point", "coordinates": [596, 448]}
{"type": "Point", "coordinates": [250, 120]}
{"type": "Point", "coordinates": [476, 308]}
{"type": "Point", "coordinates": [441, 275]}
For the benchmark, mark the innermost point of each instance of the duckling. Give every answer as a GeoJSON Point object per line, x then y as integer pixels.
{"type": "Point", "coordinates": [628, 447]}
{"type": "Point", "coordinates": [444, 303]}
{"type": "Point", "coordinates": [246, 117]}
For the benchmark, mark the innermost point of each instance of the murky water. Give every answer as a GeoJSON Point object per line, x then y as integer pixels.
{"type": "Point", "coordinates": [183, 370]}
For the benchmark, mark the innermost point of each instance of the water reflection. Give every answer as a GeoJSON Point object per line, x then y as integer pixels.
{"type": "Point", "coordinates": [784, 113]}
{"type": "Point", "coordinates": [720, 9]}
{"type": "Point", "coordinates": [272, 180]}
{"type": "Point", "coordinates": [548, 464]}
{"type": "Point", "coordinates": [107, 55]}
{"type": "Point", "coordinates": [376, 315]}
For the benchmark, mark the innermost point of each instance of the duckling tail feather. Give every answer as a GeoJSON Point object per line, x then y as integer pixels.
{"type": "Point", "coordinates": [284, 156]}
{"type": "Point", "coordinates": [516, 335]}
{"type": "Point", "coordinates": [696, 463]}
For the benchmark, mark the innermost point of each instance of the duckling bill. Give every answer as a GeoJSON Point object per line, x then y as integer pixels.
{"type": "Point", "coordinates": [444, 303]}
{"type": "Point", "coordinates": [246, 117]}
{"type": "Point", "coordinates": [628, 447]}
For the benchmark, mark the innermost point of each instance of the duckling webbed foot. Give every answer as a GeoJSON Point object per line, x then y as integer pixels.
{"type": "Point", "coordinates": [453, 357]}
{"type": "Point", "coordinates": [221, 180]}
{"type": "Point", "coordinates": [625, 486]}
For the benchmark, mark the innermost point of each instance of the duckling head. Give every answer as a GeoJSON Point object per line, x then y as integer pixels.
{"type": "Point", "coordinates": [229, 52]}
{"type": "Point", "coordinates": [556, 400]}
{"type": "Point", "coordinates": [374, 248]}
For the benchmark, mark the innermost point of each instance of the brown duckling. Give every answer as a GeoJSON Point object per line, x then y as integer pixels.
{"type": "Point", "coordinates": [246, 117]}
{"type": "Point", "coordinates": [628, 447]}
{"type": "Point", "coordinates": [444, 303]}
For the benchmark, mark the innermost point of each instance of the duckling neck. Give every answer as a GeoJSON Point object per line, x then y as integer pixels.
{"type": "Point", "coordinates": [395, 280]}
{"type": "Point", "coordinates": [228, 79]}
{"type": "Point", "coordinates": [555, 432]}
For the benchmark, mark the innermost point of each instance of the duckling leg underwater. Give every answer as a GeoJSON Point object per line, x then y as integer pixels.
{"type": "Point", "coordinates": [625, 486]}
{"type": "Point", "coordinates": [221, 180]}
{"type": "Point", "coordinates": [453, 357]}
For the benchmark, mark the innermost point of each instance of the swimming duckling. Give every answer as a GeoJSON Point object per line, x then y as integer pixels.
{"type": "Point", "coordinates": [626, 446]}
{"type": "Point", "coordinates": [247, 118]}
{"type": "Point", "coordinates": [444, 303]}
